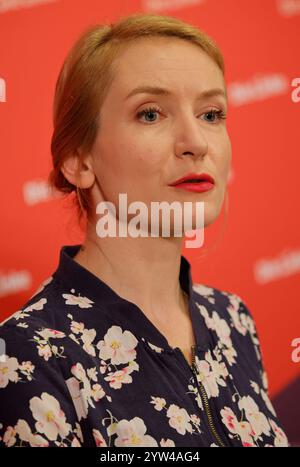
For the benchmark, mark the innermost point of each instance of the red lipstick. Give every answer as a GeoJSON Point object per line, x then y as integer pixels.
{"type": "Point", "coordinates": [198, 183]}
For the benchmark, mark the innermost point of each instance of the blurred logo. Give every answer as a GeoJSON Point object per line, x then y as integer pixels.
{"type": "Point", "coordinates": [296, 352]}
{"type": "Point", "coordinates": [2, 90]}
{"type": "Point", "coordinates": [258, 88]}
{"type": "Point", "coordinates": [296, 92]}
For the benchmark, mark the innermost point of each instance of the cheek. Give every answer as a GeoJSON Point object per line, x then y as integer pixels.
{"type": "Point", "coordinates": [223, 158]}
{"type": "Point", "coordinates": [144, 161]}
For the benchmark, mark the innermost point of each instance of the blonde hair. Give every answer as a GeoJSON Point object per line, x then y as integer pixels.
{"type": "Point", "coordinates": [84, 80]}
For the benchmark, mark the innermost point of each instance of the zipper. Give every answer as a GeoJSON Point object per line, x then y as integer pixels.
{"type": "Point", "coordinates": [204, 398]}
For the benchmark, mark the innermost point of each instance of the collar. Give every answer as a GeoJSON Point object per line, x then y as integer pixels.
{"type": "Point", "coordinates": [85, 283]}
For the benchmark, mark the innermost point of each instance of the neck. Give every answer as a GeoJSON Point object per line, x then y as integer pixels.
{"type": "Point", "coordinates": [143, 270]}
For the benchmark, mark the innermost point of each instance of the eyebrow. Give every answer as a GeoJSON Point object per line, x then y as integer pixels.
{"type": "Point", "coordinates": [166, 92]}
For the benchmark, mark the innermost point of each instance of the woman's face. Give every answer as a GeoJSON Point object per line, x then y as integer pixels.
{"type": "Point", "coordinates": [141, 154]}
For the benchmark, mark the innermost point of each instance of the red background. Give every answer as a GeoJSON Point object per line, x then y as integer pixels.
{"type": "Point", "coordinates": [260, 43]}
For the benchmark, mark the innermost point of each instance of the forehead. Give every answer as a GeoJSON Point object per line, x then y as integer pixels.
{"type": "Point", "coordinates": [171, 62]}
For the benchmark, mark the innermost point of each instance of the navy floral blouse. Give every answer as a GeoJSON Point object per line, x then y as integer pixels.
{"type": "Point", "coordinates": [84, 367]}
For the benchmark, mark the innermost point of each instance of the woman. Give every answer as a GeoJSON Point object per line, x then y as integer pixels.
{"type": "Point", "coordinates": [119, 347]}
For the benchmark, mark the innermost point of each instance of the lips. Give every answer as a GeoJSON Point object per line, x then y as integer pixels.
{"type": "Point", "coordinates": [193, 178]}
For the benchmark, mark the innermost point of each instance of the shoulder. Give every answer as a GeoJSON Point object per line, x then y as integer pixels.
{"type": "Point", "coordinates": [228, 313]}
{"type": "Point", "coordinates": [48, 307]}
{"type": "Point", "coordinates": [229, 304]}
{"type": "Point", "coordinates": [39, 328]}
{"type": "Point", "coordinates": [40, 301]}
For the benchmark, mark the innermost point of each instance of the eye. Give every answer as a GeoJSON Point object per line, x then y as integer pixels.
{"type": "Point", "coordinates": [215, 115]}
{"type": "Point", "coordinates": [149, 111]}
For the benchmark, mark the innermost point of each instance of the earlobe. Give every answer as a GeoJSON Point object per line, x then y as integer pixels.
{"type": "Point", "coordinates": [77, 172]}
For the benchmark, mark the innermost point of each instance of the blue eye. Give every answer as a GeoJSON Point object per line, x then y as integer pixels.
{"type": "Point", "coordinates": [218, 114]}
{"type": "Point", "coordinates": [149, 110]}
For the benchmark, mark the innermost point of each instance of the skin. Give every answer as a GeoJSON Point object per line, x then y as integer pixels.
{"type": "Point", "coordinates": [141, 156]}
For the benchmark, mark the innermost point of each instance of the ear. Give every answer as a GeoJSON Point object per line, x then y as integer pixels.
{"type": "Point", "coordinates": [79, 171]}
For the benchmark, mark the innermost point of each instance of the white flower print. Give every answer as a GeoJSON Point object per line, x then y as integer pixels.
{"type": "Point", "coordinates": [241, 428]}
{"type": "Point", "coordinates": [44, 351]}
{"type": "Point", "coordinates": [257, 419]}
{"type": "Point", "coordinates": [194, 390]}
{"type": "Point", "coordinates": [268, 403]}
{"type": "Point", "coordinates": [76, 327]}
{"type": "Point", "coordinates": [51, 425]}
{"type": "Point", "coordinates": [117, 346]}
{"type": "Point", "coordinates": [158, 402]}
{"type": "Point", "coordinates": [45, 348]}
{"type": "Point", "coordinates": [179, 419]}
{"type": "Point", "coordinates": [255, 386]}
{"type": "Point", "coordinates": [22, 325]}
{"type": "Point", "coordinates": [94, 358]}
{"type": "Point", "coordinates": [9, 437]}
{"type": "Point", "coordinates": [217, 324]}
{"type": "Point", "coordinates": [154, 347]}
{"type": "Point", "coordinates": [195, 419]}
{"type": "Point", "coordinates": [78, 398]}
{"type": "Point", "coordinates": [11, 371]}
{"type": "Point", "coordinates": [82, 302]}
{"type": "Point", "coordinates": [131, 433]}
{"type": "Point", "coordinates": [218, 367]}
{"type": "Point", "coordinates": [117, 378]}
{"type": "Point", "coordinates": [78, 431]}
{"type": "Point", "coordinates": [23, 430]}
{"type": "Point", "coordinates": [27, 368]}
{"type": "Point", "coordinates": [24, 313]}
{"type": "Point", "coordinates": [265, 382]}
{"type": "Point", "coordinates": [233, 310]}
{"type": "Point", "coordinates": [37, 306]}
{"type": "Point", "coordinates": [97, 392]}
{"type": "Point", "coordinates": [50, 419]}
{"type": "Point", "coordinates": [86, 336]}
{"type": "Point", "coordinates": [208, 320]}
{"type": "Point", "coordinates": [8, 371]}
{"type": "Point", "coordinates": [83, 393]}
{"type": "Point", "coordinates": [280, 437]}
{"type": "Point", "coordinates": [264, 396]}
{"type": "Point", "coordinates": [222, 329]}
{"type": "Point", "coordinates": [47, 333]}
{"type": "Point", "coordinates": [211, 373]}
{"type": "Point", "coordinates": [167, 443]}
{"type": "Point", "coordinates": [205, 291]}
{"type": "Point", "coordinates": [230, 354]}
{"type": "Point", "coordinates": [75, 443]}
{"type": "Point", "coordinates": [207, 378]}
{"type": "Point", "coordinates": [99, 440]}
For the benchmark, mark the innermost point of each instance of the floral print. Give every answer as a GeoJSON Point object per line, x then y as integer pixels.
{"type": "Point", "coordinates": [84, 367]}
{"type": "Point", "coordinates": [12, 371]}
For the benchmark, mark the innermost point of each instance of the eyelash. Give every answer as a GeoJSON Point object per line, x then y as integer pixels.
{"type": "Point", "coordinates": [217, 113]}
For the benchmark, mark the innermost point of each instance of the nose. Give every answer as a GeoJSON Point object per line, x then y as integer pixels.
{"type": "Point", "coordinates": [190, 138]}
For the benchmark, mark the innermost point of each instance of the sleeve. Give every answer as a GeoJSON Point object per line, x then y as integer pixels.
{"type": "Point", "coordinates": [280, 438]}
{"type": "Point", "coordinates": [250, 325]}
{"type": "Point", "coordinates": [35, 405]}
